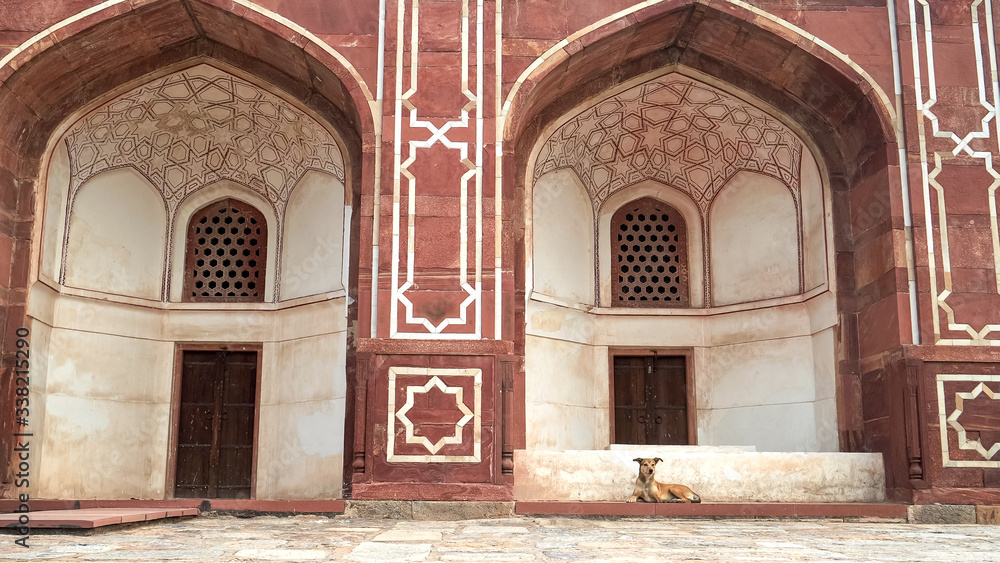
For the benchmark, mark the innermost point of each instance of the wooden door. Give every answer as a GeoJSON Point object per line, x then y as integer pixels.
{"type": "Point", "coordinates": [215, 430]}
{"type": "Point", "coordinates": [650, 400]}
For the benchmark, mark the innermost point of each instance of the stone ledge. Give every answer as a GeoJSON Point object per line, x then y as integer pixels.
{"type": "Point", "coordinates": [718, 476]}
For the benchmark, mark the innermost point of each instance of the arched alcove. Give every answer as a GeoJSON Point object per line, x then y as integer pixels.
{"type": "Point", "coordinates": [99, 64]}
{"type": "Point", "coordinates": [847, 141]}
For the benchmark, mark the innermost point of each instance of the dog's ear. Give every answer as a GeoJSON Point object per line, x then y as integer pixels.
{"type": "Point", "coordinates": [638, 459]}
{"type": "Point", "coordinates": [657, 460]}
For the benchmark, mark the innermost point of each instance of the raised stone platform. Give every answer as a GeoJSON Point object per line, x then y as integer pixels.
{"type": "Point", "coordinates": [718, 474]}
{"type": "Point", "coordinates": [832, 510]}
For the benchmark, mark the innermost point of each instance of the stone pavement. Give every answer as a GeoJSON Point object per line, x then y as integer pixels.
{"type": "Point", "coordinates": [317, 538]}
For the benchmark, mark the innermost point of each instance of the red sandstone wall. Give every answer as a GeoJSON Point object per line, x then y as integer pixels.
{"type": "Point", "coordinates": [871, 259]}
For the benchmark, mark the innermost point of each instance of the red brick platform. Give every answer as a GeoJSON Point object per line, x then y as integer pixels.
{"type": "Point", "coordinates": [324, 506]}
{"type": "Point", "coordinates": [93, 517]}
{"type": "Point", "coordinates": [97, 513]}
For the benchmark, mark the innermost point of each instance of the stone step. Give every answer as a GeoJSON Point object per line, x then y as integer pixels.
{"type": "Point", "coordinates": [717, 476]}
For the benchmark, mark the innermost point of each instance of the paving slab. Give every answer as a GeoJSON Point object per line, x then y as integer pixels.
{"type": "Point", "coordinates": [214, 537]}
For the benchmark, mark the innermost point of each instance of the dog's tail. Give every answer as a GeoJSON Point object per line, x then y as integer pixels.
{"type": "Point", "coordinates": [695, 497]}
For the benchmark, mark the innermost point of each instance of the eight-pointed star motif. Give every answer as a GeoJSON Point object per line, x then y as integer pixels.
{"type": "Point", "coordinates": [411, 437]}
{"type": "Point", "coordinates": [963, 440]}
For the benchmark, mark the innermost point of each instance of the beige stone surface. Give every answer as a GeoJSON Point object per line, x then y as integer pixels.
{"type": "Point", "coordinates": [300, 450]}
{"type": "Point", "coordinates": [815, 214]}
{"type": "Point", "coordinates": [716, 475]}
{"type": "Point", "coordinates": [642, 539]}
{"type": "Point", "coordinates": [987, 514]}
{"type": "Point", "coordinates": [566, 405]}
{"type": "Point", "coordinates": [771, 427]}
{"type": "Point", "coordinates": [117, 236]}
{"type": "Point", "coordinates": [109, 367]}
{"type": "Point", "coordinates": [102, 386]}
{"type": "Point", "coordinates": [312, 253]}
{"type": "Point", "coordinates": [96, 448]}
{"type": "Point", "coordinates": [54, 217]}
{"type": "Point", "coordinates": [754, 241]}
{"type": "Point", "coordinates": [562, 228]}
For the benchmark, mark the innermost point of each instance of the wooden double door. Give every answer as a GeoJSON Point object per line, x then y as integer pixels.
{"type": "Point", "coordinates": [650, 402]}
{"type": "Point", "coordinates": [215, 429]}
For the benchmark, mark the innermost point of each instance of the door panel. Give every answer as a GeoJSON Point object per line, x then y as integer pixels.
{"type": "Point", "coordinates": [650, 400]}
{"type": "Point", "coordinates": [215, 430]}
{"type": "Point", "coordinates": [236, 425]}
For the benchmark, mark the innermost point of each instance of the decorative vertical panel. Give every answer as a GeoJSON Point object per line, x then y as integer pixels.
{"type": "Point", "coordinates": [440, 138]}
{"type": "Point", "coordinates": [507, 414]}
{"type": "Point", "coordinates": [361, 410]}
{"type": "Point", "coordinates": [957, 144]}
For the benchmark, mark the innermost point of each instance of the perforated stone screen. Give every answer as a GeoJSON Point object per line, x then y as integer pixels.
{"type": "Point", "coordinates": [649, 249]}
{"type": "Point", "coordinates": [226, 253]}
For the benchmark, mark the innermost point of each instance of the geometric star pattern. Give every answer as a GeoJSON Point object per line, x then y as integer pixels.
{"type": "Point", "coordinates": [411, 437]}
{"type": "Point", "coordinates": [408, 445]}
{"type": "Point", "coordinates": [960, 445]}
{"type": "Point", "coordinates": [675, 130]}
{"type": "Point", "coordinates": [192, 128]}
{"type": "Point", "coordinates": [200, 125]}
{"type": "Point", "coordinates": [963, 440]}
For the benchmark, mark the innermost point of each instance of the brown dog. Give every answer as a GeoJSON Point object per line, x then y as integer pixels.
{"type": "Point", "coordinates": [649, 490]}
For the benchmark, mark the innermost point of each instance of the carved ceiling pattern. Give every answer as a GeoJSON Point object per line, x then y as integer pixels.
{"type": "Point", "coordinates": [200, 125]}
{"type": "Point", "coordinates": [675, 130]}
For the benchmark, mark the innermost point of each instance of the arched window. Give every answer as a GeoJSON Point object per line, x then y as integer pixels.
{"type": "Point", "coordinates": [226, 253]}
{"type": "Point", "coordinates": [649, 256]}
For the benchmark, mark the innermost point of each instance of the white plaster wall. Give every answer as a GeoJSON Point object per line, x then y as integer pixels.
{"type": "Point", "coordinates": [566, 399]}
{"type": "Point", "coordinates": [106, 390]}
{"type": "Point", "coordinates": [106, 416]}
{"type": "Point", "coordinates": [761, 394]}
{"type": "Point", "coordinates": [824, 369]}
{"type": "Point", "coordinates": [116, 236]}
{"type": "Point", "coordinates": [814, 258]}
{"type": "Point", "coordinates": [563, 238]}
{"type": "Point", "coordinates": [38, 368]}
{"type": "Point", "coordinates": [56, 191]}
{"type": "Point", "coordinates": [312, 251]}
{"type": "Point", "coordinates": [301, 441]}
{"type": "Point", "coordinates": [301, 450]}
{"type": "Point", "coordinates": [754, 241]}
{"type": "Point", "coordinates": [764, 377]}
